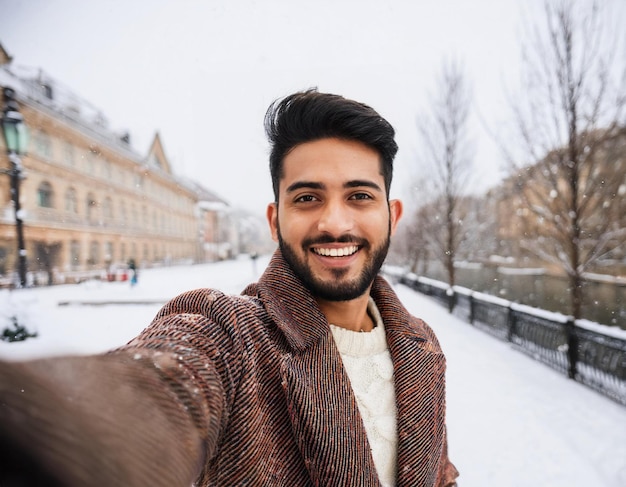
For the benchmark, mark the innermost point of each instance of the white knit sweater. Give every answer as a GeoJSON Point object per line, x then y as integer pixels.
{"type": "Point", "coordinates": [368, 363]}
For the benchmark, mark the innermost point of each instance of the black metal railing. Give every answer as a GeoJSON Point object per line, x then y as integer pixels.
{"type": "Point", "coordinates": [592, 354]}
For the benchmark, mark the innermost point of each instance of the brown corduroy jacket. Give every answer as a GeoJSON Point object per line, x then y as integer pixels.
{"type": "Point", "coordinates": [246, 390]}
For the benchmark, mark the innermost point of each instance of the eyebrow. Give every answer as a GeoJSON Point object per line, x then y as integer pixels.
{"type": "Point", "coordinates": [304, 184]}
{"type": "Point", "coordinates": [362, 183]}
{"type": "Point", "coordinates": [357, 183]}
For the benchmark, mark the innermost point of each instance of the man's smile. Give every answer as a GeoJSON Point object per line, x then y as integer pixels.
{"type": "Point", "coordinates": [336, 252]}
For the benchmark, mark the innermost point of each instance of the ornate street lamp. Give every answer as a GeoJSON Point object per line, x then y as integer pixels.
{"type": "Point", "coordinates": [15, 137]}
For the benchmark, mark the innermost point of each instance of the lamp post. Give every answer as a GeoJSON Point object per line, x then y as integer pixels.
{"type": "Point", "coordinates": [14, 132]}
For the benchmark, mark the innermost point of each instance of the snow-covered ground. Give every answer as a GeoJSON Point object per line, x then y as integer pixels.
{"type": "Point", "coordinates": [512, 421]}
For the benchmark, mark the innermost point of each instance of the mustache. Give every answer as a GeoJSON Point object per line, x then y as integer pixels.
{"type": "Point", "coordinates": [327, 239]}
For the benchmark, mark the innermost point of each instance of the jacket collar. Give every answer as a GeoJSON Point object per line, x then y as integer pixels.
{"type": "Point", "coordinates": [322, 406]}
{"type": "Point", "coordinates": [292, 307]}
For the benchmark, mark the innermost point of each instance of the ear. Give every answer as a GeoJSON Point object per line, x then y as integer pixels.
{"type": "Point", "coordinates": [272, 218]}
{"type": "Point", "coordinates": [395, 213]}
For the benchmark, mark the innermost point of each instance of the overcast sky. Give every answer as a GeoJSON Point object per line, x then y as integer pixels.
{"type": "Point", "coordinates": [203, 72]}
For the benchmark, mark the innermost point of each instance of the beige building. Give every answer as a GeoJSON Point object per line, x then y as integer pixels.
{"type": "Point", "coordinates": [90, 202]}
{"type": "Point", "coordinates": [535, 209]}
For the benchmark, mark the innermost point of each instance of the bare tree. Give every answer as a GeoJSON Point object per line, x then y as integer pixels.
{"type": "Point", "coordinates": [446, 159]}
{"type": "Point", "coordinates": [410, 245]}
{"type": "Point", "coordinates": [568, 114]}
{"type": "Point", "coordinates": [479, 223]}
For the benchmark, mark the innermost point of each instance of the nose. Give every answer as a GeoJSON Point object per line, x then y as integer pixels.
{"type": "Point", "coordinates": [336, 218]}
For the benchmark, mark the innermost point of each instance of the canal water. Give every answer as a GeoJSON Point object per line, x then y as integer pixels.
{"type": "Point", "coordinates": [604, 302]}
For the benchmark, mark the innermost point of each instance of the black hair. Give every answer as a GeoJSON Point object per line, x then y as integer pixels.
{"type": "Point", "coordinates": [309, 115]}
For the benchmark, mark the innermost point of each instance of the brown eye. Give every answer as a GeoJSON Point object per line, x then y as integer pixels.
{"type": "Point", "coordinates": [360, 196]}
{"type": "Point", "coordinates": [305, 198]}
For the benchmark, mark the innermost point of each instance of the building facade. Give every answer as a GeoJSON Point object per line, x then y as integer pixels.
{"type": "Point", "coordinates": [90, 202]}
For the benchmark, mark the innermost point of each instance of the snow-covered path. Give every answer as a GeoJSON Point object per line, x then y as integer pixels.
{"type": "Point", "coordinates": [512, 421]}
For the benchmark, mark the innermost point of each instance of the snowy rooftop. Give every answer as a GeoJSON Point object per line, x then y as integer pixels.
{"type": "Point", "coordinates": [51, 95]}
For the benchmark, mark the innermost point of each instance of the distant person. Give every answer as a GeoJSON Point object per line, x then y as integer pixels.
{"type": "Point", "coordinates": [132, 267]}
{"type": "Point", "coordinates": [315, 376]}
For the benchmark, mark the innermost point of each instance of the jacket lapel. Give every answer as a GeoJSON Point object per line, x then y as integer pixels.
{"type": "Point", "coordinates": [418, 364]}
{"type": "Point", "coordinates": [325, 418]}
{"type": "Point", "coordinates": [324, 414]}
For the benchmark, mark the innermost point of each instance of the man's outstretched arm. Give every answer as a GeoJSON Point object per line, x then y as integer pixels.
{"type": "Point", "coordinates": [125, 418]}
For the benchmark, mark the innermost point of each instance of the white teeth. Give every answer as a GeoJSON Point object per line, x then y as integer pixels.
{"type": "Point", "coordinates": [343, 252]}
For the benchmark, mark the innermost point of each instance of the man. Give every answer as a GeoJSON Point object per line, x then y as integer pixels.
{"type": "Point", "coordinates": [315, 376]}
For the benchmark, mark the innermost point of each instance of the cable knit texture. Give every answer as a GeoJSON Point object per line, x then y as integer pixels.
{"type": "Point", "coordinates": [370, 369]}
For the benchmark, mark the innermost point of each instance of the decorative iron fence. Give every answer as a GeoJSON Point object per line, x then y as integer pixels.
{"type": "Point", "coordinates": [592, 354]}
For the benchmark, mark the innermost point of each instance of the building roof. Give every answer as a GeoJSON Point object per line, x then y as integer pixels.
{"type": "Point", "coordinates": [36, 88]}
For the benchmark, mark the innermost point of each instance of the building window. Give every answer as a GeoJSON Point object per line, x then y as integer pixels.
{"type": "Point", "coordinates": [90, 161]}
{"type": "Point", "coordinates": [3, 260]}
{"type": "Point", "coordinates": [123, 216]}
{"type": "Point", "coordinates": [74, 254]}
{"type": "Point", "coordinates": [44, 195]}
{"type": "Point", "coordinates": [43, 144]}
{"type": "Point", "coordinates": [47, 91]}
{"type": "Point", "coordinates": [108, 170]}
{"type": "Point", "coordinates": [68, 154]}
{"type": "Point", "coordinates": [107, 207]}
{"type": "Point", "coordinates": [91, 205]}
{"type": "Point", "coordinates": [108, 251]}
{"type": "Point", "coordinates": [71, 204]}
{"type": "Point", "coordinates": [94, 253]}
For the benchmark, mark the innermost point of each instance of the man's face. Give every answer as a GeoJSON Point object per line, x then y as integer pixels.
{"type": "Point", "coordinates": [333, 220]}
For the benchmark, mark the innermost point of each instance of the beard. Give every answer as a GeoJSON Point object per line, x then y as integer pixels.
{"type": "Point", "coordinates": [338, 289]}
